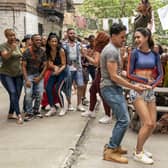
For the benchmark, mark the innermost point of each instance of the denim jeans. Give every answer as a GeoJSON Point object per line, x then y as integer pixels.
{"type": "Point", "coordinates": [113, 95]}
{"type": "Point", "coordinates": [34, 93]}
{"type": "Point", "coordinates": [13, 85]}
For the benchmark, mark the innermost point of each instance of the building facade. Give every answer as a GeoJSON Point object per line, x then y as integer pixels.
{"type": "Point", "coordinates": [33, 16]}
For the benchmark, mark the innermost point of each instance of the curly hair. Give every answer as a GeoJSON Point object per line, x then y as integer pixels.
{"type": "Point", "coordinates": [101, 40]}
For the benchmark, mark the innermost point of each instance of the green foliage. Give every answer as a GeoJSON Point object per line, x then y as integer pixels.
{"type": "Point", "coordinates": [115, 8]}
{"type": "Point", "coordinates": [121, 8]}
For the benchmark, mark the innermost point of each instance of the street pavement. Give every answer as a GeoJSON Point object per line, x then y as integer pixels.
{"type": "Point", "coordinates": [40, 143]}
{"type": "Point", "coordinates": [65, 142]}
{"type": "Point", "coordinates": [91, 148]}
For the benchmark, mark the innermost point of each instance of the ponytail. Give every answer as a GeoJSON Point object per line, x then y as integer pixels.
{"type": "Point", "coordinates": [147, 33]}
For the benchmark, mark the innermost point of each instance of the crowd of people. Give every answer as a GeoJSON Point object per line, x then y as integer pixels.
{"type": "Point", "coordinates": [49, 68]}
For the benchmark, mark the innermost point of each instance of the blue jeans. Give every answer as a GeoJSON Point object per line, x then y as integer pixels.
{"type": "Point", "coordinates": [58, 83]}
{"type": "Point", "coordinates": [34, 93]}
{"type": "Point", "coordinates": [13, 85]}
{"type": "Point", "coordinates": [113, 95]}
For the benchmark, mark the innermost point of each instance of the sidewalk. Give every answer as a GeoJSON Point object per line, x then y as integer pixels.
{"type": "Point", "coordinates": [57, 142]}
{"type": "Point", "coordinates": [40, 143]}
{"type": "Point", "coordinates": [91, 150]}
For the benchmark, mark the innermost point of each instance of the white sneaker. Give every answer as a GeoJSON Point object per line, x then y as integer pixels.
{"type": "Point", "coordinates": [80, 108]}
{"type": "Point", "coordinates": [51, 112]}
{"type": "Point", "coordinates": [105, 120]}
{"type": "Point", "coordinates": [47, 107]}
{"type": "Point", "coordinates": [148, 154]}
{"type": "Point", "coordinates": [70, 107]}
{"type": "Point", "coordinates": [62, 112]}
{"type": "Point", "coordinates": [88, 114]}
{"type": "Point", "coordinates": [141, 157]}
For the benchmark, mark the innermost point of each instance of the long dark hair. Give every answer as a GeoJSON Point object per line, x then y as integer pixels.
{"type": "Point", "coordinates": [146, 33]}
{"type": "Point", "coordinates": [48, 48]}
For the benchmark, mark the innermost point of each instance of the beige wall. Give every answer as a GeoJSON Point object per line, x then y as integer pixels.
{"type": "Point", "coordinates": [24, 21]}
{"type": "Point", "coordinates": [6, 21]}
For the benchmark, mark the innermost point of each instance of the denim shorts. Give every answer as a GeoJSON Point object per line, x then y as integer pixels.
{"type": "Point", "coordinates": [147, 95]}
{"type": "Point", "coordinates": [77, 76]}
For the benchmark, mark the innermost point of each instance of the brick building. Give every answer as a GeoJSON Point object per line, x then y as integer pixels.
{"type": "Point", "coordinates": [32, 16]}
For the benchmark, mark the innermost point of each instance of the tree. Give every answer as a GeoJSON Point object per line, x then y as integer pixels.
{"type": "Point", "coordinates": [115, 8]}
{"type": "Point", "coordinates": [120, 8]}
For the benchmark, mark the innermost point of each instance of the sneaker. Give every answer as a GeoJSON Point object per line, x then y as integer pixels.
{"type": "Point", "coordinates": [51, 112]}
{"type": "Point", "coordinates": [88, 114]}
{"type": "Point", "coordinates": [62, 112]}
{"type": "Point", "coordinates": [47, 108]}
{"type": "Point", "coordinates": [28, 117]}
{"type": "Point", "coordinates": [148, 154]}
{"type": "Point", "coordinates": [80, 108]}
{"type": "Point", "coordinates": [141, 157]}
{"type": "Point", "coordinates": [38, 114]}
{"type": "Point", "coordinates": [70, 108]}
{"type": "Point", "coordinates": [105, 120]}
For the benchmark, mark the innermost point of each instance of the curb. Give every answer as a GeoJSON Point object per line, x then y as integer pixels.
{"type": "Point", "coordinates": [74, 152]}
